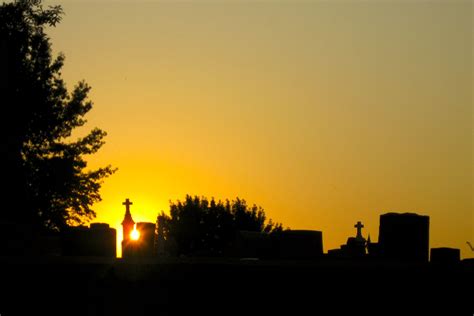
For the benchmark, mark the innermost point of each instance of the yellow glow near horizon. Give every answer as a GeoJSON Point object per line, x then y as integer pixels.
{"type": "Point", "coordinates": [322, 112]}
{"type": "Point", "coordinates": [135, 234]}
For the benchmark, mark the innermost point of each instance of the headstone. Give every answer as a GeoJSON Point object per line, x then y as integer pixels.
{"type": "Point", "coordinates": [445, 255]}
{"type": "Point", "coordinates": [146, 247]}
{"type": "Point", "coordinates": [98, 241]}
{"type": "Point", "coordinates": [250, 244]}
{"type": "Point", "coordinates": [404, 237]}
{"type": "Point", "coordinates": [300, 244]}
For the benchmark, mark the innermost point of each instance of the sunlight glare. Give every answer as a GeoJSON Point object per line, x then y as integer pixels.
{"type": "Point", "coordinates": [135, 234]}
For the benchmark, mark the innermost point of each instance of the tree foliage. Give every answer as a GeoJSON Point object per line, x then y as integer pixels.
{"type": "Point", "coordinates": [46, 170]}
{"type": "Point", "coordinates": [201, 226]}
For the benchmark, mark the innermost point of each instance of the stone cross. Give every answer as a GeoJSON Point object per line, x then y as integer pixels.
{"type": "Point", "coordinates": [359, 227]}
{"type": "Point", "coordinates": [127, 204]}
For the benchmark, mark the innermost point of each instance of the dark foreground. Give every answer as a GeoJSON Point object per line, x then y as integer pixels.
{"type": "Point", "coordinates": [93, 286]}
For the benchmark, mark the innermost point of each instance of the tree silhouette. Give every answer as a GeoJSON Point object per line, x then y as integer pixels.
{"type": "Point", "coordinates": [48, 185]}
{"type": "Point", "coordinates": [201, 227]}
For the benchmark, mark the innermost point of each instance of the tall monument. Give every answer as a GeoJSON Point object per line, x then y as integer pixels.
{"type": "Point", "coordinates": [127, 227]}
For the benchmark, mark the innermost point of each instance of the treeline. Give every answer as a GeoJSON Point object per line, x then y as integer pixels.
{"type": "Point", "coordinates": [199, 226]}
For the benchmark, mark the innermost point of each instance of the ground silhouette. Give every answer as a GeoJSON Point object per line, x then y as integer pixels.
{"type": "Point", "coordinates": [181, 286]}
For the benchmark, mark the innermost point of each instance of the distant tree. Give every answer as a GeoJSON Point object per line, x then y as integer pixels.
{"type": "Point", "coordinates": [45, 170]}
{"type": "Point", "coordinates": [199, 226]}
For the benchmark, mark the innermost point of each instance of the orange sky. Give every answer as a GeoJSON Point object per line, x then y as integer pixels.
{"type": "Point", "coordinates": [322, 112]}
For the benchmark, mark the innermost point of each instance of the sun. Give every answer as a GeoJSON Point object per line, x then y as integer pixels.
{"type": "Point", "coordinates": [135, 234]}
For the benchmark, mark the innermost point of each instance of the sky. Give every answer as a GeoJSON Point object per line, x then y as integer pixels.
{"type": "Point", "coordinates": [322, 112]}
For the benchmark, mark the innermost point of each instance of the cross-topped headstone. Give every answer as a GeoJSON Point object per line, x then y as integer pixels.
{"type": "Point", "coordinates": [127, 204]}
{"type": "Point", "coordinates": [359, 227]}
